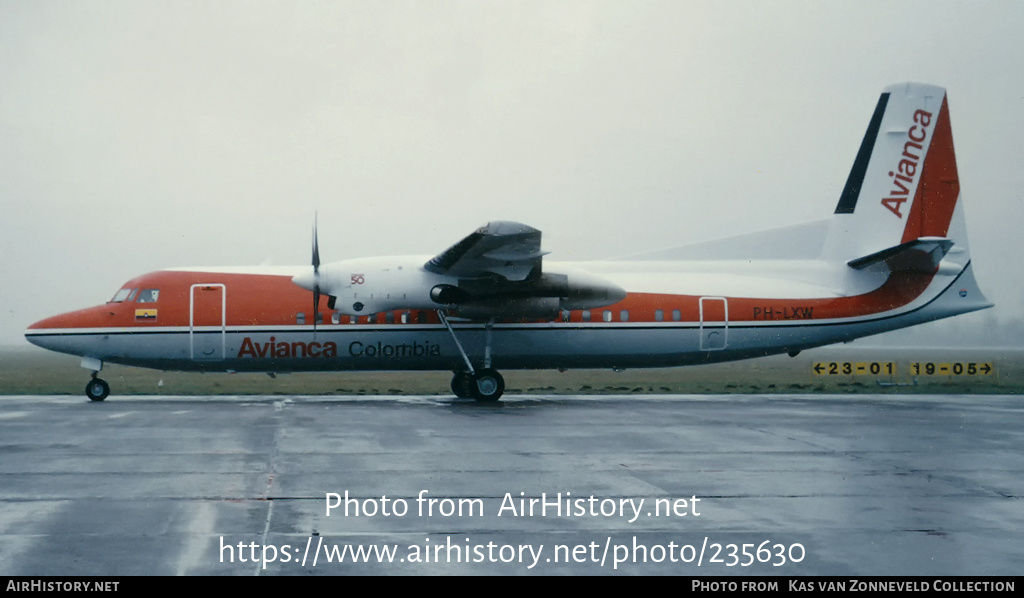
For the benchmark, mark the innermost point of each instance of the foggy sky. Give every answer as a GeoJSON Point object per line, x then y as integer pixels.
{"type": "Point", "coordinates": [136, 136]}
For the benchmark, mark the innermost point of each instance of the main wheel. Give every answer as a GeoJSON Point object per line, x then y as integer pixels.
{"type": "Point", "coordinates": [462, 385]}
{"type": "Point", "coordinates": [488, 385]}
{"type": "Point", "coordinates": [97, 389]}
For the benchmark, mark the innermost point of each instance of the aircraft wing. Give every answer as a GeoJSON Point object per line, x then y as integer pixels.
{"type": "Point", "coordinates": [509, 250]}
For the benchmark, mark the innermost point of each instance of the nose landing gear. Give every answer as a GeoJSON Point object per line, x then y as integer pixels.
{"type": "Point", "coordinates": [97, 389]}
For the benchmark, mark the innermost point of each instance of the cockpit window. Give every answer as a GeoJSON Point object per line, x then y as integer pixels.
{"type": "Point", "coordinates": [148, 295]}
{"type": "Point", "coordinates": [123, 295]}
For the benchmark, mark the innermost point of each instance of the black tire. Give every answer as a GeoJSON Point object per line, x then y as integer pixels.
{"type": "Point", "coordinates": [488, 385]}
{"type": "Point", "coordinates": [462, 385]}
{"type": "Point", "coordinates": [97, 389]}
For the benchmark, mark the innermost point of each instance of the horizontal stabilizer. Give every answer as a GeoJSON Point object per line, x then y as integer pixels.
{"type": "Point", "coordinates": [919, 255]}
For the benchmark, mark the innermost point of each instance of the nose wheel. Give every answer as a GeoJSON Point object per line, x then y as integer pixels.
{"type": "Point", "coordinates": [97, 389]}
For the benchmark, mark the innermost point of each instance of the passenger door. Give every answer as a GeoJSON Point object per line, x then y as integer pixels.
{"type": "Point", "coordinates": [207, 328]}
{"type": "Point", "coordinates": [714, 323]}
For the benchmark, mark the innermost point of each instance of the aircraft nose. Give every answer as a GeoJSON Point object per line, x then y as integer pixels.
{"type": "Point", "coordinates": [73, 331]}
{"type": "Point", "coordinates": [44, 332]}
{"type": "Point", "coordinates": [32, 336]}
{"type": "Point", "coordinates": [45, 324]}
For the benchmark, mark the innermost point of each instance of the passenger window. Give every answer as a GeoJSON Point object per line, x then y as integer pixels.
{"type": "Point", "coordinates": [659, 315]}
{"type": "Point", "coordinates": [405, 317]}
{"type": "Point", "coordinates": [585, 315]}
{"type": "Point", "coordinates": [565, 315]}
{"type": "Point", "coordinates": [335, 318]}
{"type": "Point", "coordinates": [624, 315]}
{"type": "Point", "coordinates": [676, 315]}
{"type": "Point", "coordinates": [148, 296]}
{"type": "Point", "coordinates": [421, 317]}
{"type": "Point", "coordinates": [606, 316]}
{"type": "Point", "coordinates": [389, 317]}
{"type": "Point", "coordinates": [300, 318]}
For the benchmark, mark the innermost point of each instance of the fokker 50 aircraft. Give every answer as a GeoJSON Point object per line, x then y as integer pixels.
{"type": "Point", "coordinates": [893, 254]}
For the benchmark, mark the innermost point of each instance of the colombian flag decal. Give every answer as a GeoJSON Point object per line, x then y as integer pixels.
{"type": "Point", "coordinates": [145, 314]}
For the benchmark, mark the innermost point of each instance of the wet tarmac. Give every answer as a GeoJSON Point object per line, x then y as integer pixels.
{"type": "Point", "coordinates": [682, 485]}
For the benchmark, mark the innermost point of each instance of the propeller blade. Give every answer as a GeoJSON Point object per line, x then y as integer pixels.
{"type": "Point", "coordinates": [316, 249]}
{"type": "Point", "coordinates": [316, 308]}
{"type": "Point", "coordinates": [316, 275]}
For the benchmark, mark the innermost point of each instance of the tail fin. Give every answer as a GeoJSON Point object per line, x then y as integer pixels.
{"type": "Point", "coordinates": [903, 185]}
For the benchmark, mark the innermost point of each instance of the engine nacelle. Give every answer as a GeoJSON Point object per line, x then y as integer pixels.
{"type": "Point", "coordinates": [373, 285]}
{"type": "Point", "coordinates": [448, 294]}
{"type": "Point", "coordinates": [586, 291]}
{"type": "Point", "coordinates": [539, 299]}
{"type": "Point", "coordinates": [530, 308]}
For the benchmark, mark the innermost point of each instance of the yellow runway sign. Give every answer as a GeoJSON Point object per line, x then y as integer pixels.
{"type": "Point", "coordinates": [927, 368]}
{"type": "Point", "coordinates": [860, 368]}
{"type": "Point", "coordinates": [889, 368]}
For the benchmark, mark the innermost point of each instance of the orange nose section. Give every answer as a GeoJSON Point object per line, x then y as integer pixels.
{"type": "Point", "coordinates": [71, 332]}
{"type": "Point", "coordinates": [101, 316]}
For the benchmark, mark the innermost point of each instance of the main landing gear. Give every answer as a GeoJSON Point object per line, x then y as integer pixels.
{"type": "Point", "coordinates": [97, 389]}
{"type": "Point", "coordinates": [484, 384]}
